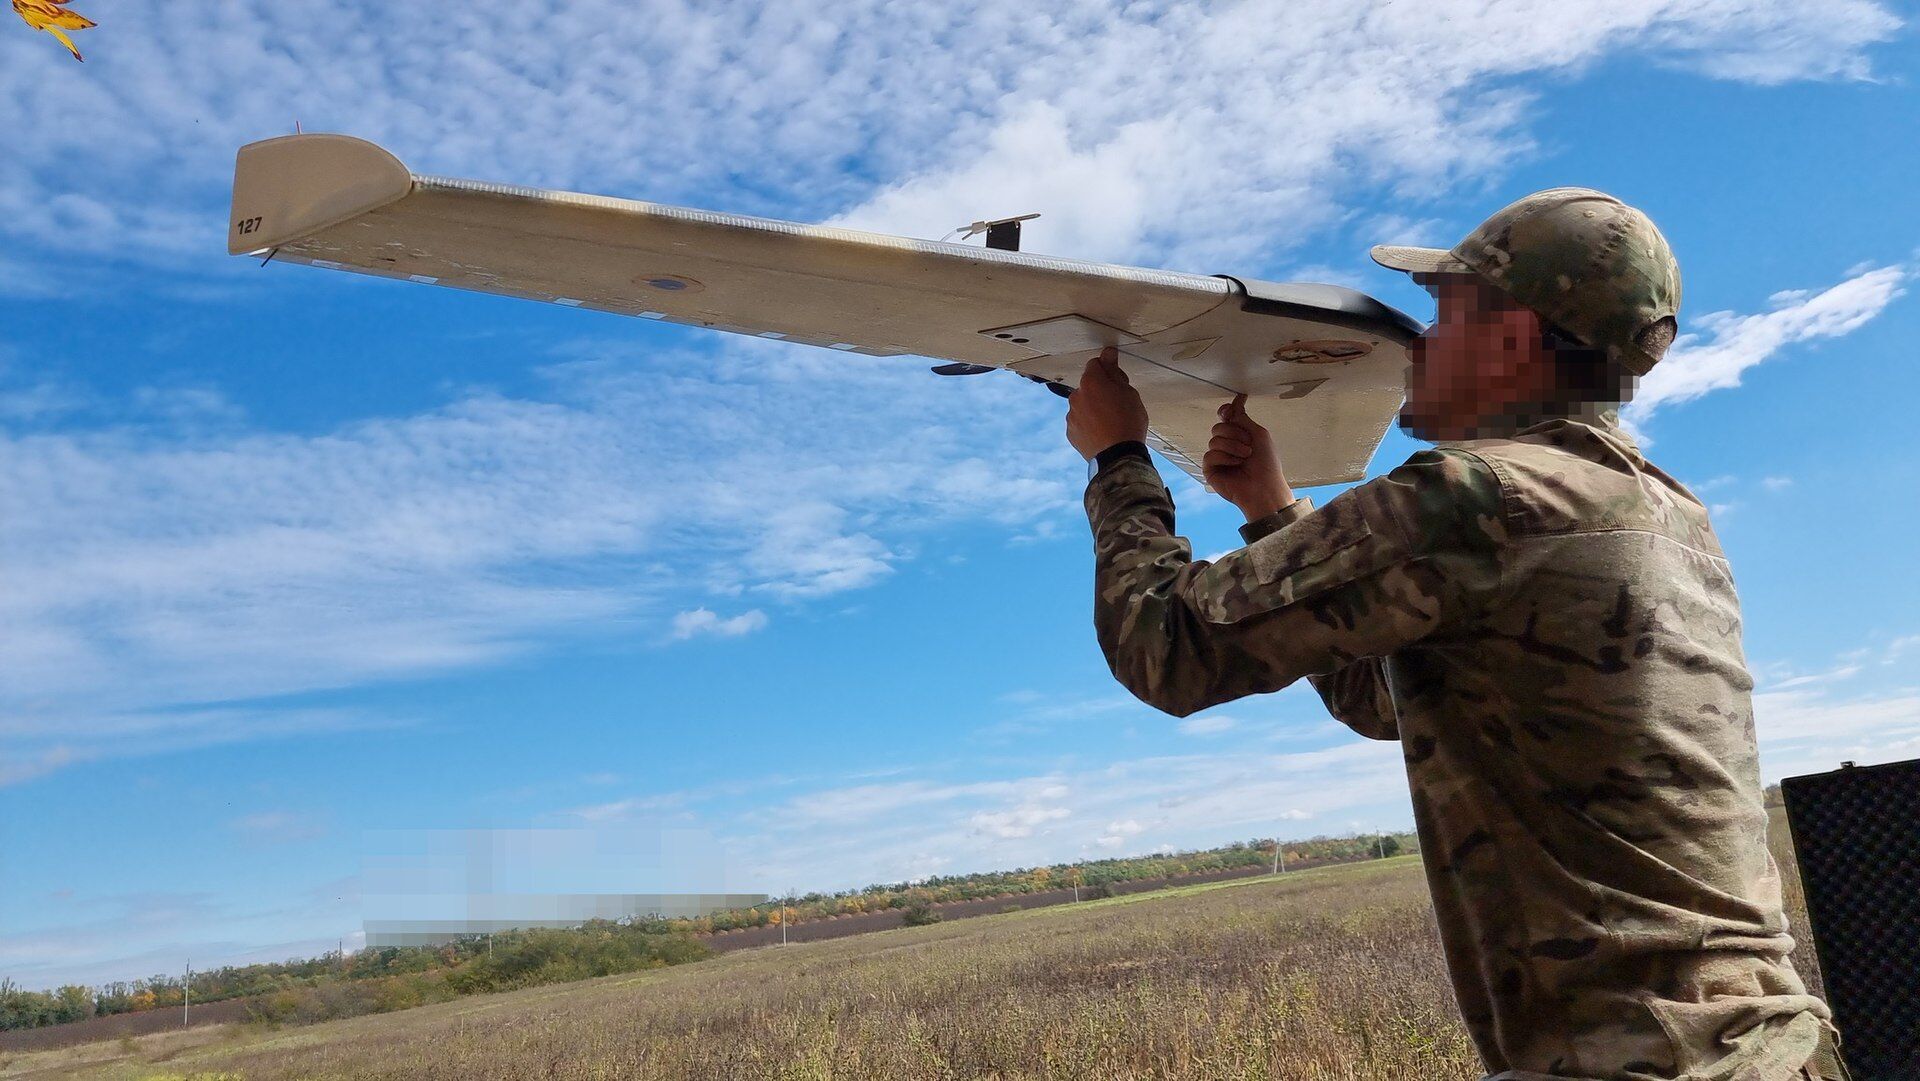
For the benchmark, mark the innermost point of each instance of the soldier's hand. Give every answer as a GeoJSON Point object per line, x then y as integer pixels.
{"type": "Point", "coordinates": [1104, 409]}
{"type": "Point", "coordinates": [1241, 465]}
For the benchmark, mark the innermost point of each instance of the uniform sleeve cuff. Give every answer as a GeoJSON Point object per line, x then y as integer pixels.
{"type": "Point", "coordinates": [1127, 483]}
{"type": "Point", "coordinates": [1131, 448]}
{"type": "Point", "coordinates": [1270, 523]}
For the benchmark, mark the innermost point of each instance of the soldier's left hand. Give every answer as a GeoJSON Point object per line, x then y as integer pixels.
{"type": "Point", "coordinates": [1104, 409]}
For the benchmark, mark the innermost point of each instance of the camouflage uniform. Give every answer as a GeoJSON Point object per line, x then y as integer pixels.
{"type": "Point", "coordinates": [1547, 624]}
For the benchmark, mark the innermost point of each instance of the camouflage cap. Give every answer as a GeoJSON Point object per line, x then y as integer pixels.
{"type": "Point", "coordinates": [1585, 261]}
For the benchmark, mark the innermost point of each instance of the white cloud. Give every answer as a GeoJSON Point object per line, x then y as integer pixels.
{"type": "Point", "coordinates": [1845, 671]}
{"type": "Point", "coordinates": [167, 565]}
{"type": "Point", "coordinates": [1207, 133]}
{"type": "Point", "coordinates": [1211, 724]}
{"type": "Point", "coordinates": [1392, 228]}
{"type": "Point", "coordinates": [705, 621]}
{"type": "Point", "coordinates": [850, 836]}
{"type": "Point", "coordinates": [673, 804]}
{"type": "Point", "coordinates": [1033, 713]}
{"type": "Point", "coordinates": [858, 802]}
{"type": "Point", "coordinates": [1223, 137]}
{"type": "Point", "coordinates": [1812, 721]}
{"type": "Point", "coordinates": [38, 741]}
{"type": "Point", "coordinates": [39, 400]}
{"type": "Point", "coordinates": [1017, 808]}
{"type": "Point", "coordinates": [1777, 42]}
{"type": "Point", "coordinates": [1019, 821]}
{"type": "Point", "coordinates": [1695, 367]}
{"type": "Point", "coordinates": [617, 810]}
{"type": "Point", "coordinates": [24, 764]}
{"type": "Point", "coordinates": [1808, 729]}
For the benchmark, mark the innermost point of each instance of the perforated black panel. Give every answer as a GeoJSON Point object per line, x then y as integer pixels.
{"type": "Point", "coordinates": [1857, 834]}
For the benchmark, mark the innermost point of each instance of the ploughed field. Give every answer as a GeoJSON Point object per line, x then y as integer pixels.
{"type": "Point", "coordinates": [1328, 973]}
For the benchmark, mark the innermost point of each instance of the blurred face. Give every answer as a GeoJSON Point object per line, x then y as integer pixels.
{"type": "Point", "coordinates": [1480, 369]}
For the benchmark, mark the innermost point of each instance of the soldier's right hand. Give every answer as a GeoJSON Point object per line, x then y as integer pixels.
{"type": "Point", "coordinates": [1241, 464]}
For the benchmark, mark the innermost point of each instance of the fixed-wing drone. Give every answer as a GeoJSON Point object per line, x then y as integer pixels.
{"type": "Point", "coordinates": [1322, 366]}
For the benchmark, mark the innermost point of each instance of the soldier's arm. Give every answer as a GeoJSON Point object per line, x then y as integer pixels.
{"type": "Point", "coordinates": [1380, 567]}
{"type": "Point", "coordinates": [1356, 694]}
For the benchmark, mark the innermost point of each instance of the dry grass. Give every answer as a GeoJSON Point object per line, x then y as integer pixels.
{"type": "Point", "coordinates": [1333, 973]}
{"type": "Point", "coordinates": [1780, 839]}
{"type": "Point", "coordinates": [142, 1057]}
{"type": "Point", "coordinates": [1322, 974]}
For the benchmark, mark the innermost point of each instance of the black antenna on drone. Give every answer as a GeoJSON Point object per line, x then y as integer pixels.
{"type": "Point", "coordinates": [1003, 234]}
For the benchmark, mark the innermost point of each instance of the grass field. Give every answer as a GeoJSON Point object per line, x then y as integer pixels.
{"type": "Point", "coordinates": [1320, 974]}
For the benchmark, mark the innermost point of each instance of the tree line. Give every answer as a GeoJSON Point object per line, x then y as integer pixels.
{"type": "Point", "coordinates": [1094, 877]}
{"type": "Point", "coordinates": [374, 980]}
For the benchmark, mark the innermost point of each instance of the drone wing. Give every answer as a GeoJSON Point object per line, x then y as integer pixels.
{"type": "Point", "coordinates": [1322, 366]}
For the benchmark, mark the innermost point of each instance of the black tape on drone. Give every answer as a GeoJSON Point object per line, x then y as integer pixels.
{"type": "Point", "coordinates": [1856, 832]}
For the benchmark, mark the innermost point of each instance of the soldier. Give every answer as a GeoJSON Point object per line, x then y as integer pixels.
{"type": "Point", "coordinates": [1543, 619]}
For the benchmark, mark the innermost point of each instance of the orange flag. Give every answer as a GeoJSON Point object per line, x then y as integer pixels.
{"type": "Point", "coordinates": [53, 17]}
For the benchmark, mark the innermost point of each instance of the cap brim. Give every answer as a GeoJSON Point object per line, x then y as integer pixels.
{"type": "Point", "coordinates": [1418, 260]}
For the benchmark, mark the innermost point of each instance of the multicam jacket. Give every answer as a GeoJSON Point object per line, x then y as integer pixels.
{"type": "Point", "coordinates": [1548, 626]}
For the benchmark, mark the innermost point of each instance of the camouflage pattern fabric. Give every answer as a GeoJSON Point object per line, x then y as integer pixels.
{"type": "Point", "coordinates": [1826, 1064]}
{"type": "Point", "coordinates": [1548, 626]}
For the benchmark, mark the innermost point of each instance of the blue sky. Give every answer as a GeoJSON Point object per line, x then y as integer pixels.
{"type": "Point", "coordinates": [290, 559]}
